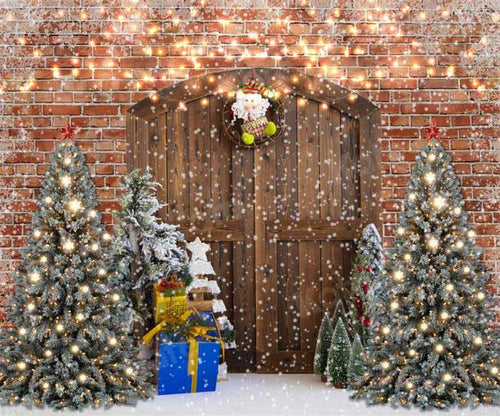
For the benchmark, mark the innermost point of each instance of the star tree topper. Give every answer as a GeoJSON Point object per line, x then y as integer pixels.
{"type": "Point", "coordinates": [198, 250]}
{"type": "Point", "coordinates": [67, 132]}
{"type": "Point", "coordinates": [433, 132]}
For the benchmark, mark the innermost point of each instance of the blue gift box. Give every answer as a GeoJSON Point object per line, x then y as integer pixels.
{"type": "Point", "coordinates": [173, 362]}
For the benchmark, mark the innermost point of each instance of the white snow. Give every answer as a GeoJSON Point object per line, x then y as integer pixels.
{"type": "Point", "coordinates": [258, 395]}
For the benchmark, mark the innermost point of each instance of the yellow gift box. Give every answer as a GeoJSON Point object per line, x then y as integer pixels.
{"type": "Point", "coordinates": [171, 302]}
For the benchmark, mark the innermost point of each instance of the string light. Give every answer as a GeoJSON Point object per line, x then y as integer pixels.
{"type": "Point", "coordinates": [446, 377]}
{"type": "Point", "coordinates": [439, 202]}
{"type": "Point", "coordinates": [439, 348]}
{"type": "Point", "coordinates": [65, 180]}
{"type": "Point", "coordinates": [82, 378]}
{"type": "Point", "coordinates": [30, 306]}
{"type": "Point", "coordinates": [37, 233]}
{"type": "Point", "coordinates": [79, 316]}
{"type": "Point", "coordinates": [75, 205]}
{"type": "Point", "coordinates": [59, 327]}
{"type": "Point", "coordinates": [34, 276]}
{"type": "Point", "coordinates": [68, 246]}
{"type": "Point", "coordinates": [74, 349]}
{"type": "Point", "coordinates": [115, 297]}
{"type": "Point", "coordinates": [409, 385]}
{"type": "Point", "coordinates": [433, 243]}
{"type": "Point", "coordinates": [459, 244]}
{"type": "Point", "coordinates": [21, 365]}
{"type": "Point", "coordinates": [444, 315]}
{"type": "Point", "coordinates": [430, 177]}
{"type": "Point", "coordinates": [481, 296]}
{"type": "Point", "coordinates": [399, 275]}
{"type": "Point", "coordinates": [129, 371]}
{"type": "Point", "coordinates": [412, 353]}
{"type": "Point", "coordinates": [400, 231]}
{"type": "Point", "coordinates": [48, 200]}
{"type": "Point", "coordinates": [424, 326]}
{"type": "Point", "coordinates": [112, 341]}
{"type": "Point", "coordinates": [386, 330]}
{"type": "Point", "coordinates": [457, 210]}
{"type": "Point", "coordinates": [449, 287]}
{"type": "Point", "coordinates": [477, 340]}
{"type": "Point", "coordinates": [84, 289]}
{"type": "Point", "coordinates": [47, 353]}
{"type": "Point", "coordinates": [394, 305]}
{"type": "Point", "coordinates": [385, 365]}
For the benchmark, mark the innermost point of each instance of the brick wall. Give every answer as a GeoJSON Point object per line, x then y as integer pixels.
{"type": "Point", "coordinates": [72, 59]}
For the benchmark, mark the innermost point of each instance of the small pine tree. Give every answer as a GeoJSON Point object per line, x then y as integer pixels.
{"type": "Point", "coordinates": [338, 356]}
{"type": "Point", "coordinates": [323, 345]}
{"type": "Point", "coordinates": [69, 343]}
{"type": "Point", "coordinates": [355, 369]}
{"type": "Point", "coordinates": [339, 313]}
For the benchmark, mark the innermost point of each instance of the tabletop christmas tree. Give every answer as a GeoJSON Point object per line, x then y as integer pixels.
{"type": "Point", "coordinates": [339, 313]}
{"type": "Point", "coordinates": [355, 368]}
{"type": "Point", "coordinates": [338, 356]}
{"type": "Point", "coordinates": [69, 345]}
{"type": "Point", "coordinates": [435, 348]}
{"type": "Point", "coordinates": [364, 276]}
{"type": "Point", "coordinates": [323, 345]}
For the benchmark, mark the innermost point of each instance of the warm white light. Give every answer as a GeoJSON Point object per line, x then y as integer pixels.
{"type": "Point", "coordinates": [47, 353]}
{"type": "Point", "coordinates": [79, 316]}
{"type": "Point", "coordinates": [74, 349]}
{"type": "Point", "coordinates": [412, 353]}
{"type": "Point", "coordinates": [459, 244]}
{"type": "Point", "coordinates": [449, 287]}
{"type": "Point", "coordinates": [43, 259]}
{"type": "Point", "coordinates": [67, 161]}
{"type": "Point", "coordinates": [386, 330]}
{"type": "Point", "coordinates": [447, 377]}
{"type": "Point", "coordinates": [65, 180]}
{"type": "Point", "coordinates": [444, 315]}
{"type": "Point", "coordinates": [94, 247]}
{"type": "Point", "coordinates": [115, 297]}
{"type": "Point", "coordinates": [75, 205]}
{"type": "Point", "coordinates": [432, 157]}
{"type": "Point", "coordinates": [92, 213]}
{"type": "Point", "coordinates": [481, 296]}
{"type": "Point", "coordinates": [34, 276]}
{"type": "Point", "coordinates": [112, 341]}
{"type": "Point", "coordinates": [409, 385]}
{"type": "Point", "coordinates": [82, 378]}
{"type": "Point", "coordinates": [68, 246]}
{"type": "Point", "coordinates": [37, 233]}
{"type": "Point", "coordinates": [466, 269]}
{"type": "Point", "coordinates": [101, 272]}
{"type": "Point", "coordinates": [477, 341]}
{"type": "Point", "coordinates": [385, 365]}
{"type": "Point", "coordinates": [430, 177]}
{"type": "Point", "coordinates": [22, 331]}
{"type": "Point", "coordinates": [433, 243]}
{"type": "Point", "coordinates": [45, 386]}
{"type": "Point", "coordinates": [424, 326]}
{"type": "Point", "coordinates": [412, 197]}
{"type": "Point", "coordinates": [494, 371]}
{"type": "Point", "coordinates": [106, 237]}
{"type": "Point", "coordinates": [394, 305]}
{"type": "Point", "coordinates": [21, 365]}
{"type": "Point", "coordinates": [471, 234]}
{"type": "Point", "coordinates": [407, 256]}
{"type": "Point", "coordinates": [439, 202]}
{"type": "Point", "coordinates": [59, 327]}
{"type": "Point", "coordinates": [48, 200]}
{"type": "Point", "coordinates": [84, 289]}
{"type": "Point", "coordinates": [439, 348]}
{"type": "Point", "coordinates": [30, 306]}
{"type": "Point", "coordinates": [399, 276]}
{"type": "Point", "coordinates": [400, 230]}
{"type": "Point", "coordinates": [457, 210]}
{"type": "Point", "coordinates": [129, 371]}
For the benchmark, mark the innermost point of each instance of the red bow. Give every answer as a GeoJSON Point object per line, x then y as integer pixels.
{"type": "Point", "coordinates": [432, 133]}
{"type": "Point", "coordinates": [67, 132]}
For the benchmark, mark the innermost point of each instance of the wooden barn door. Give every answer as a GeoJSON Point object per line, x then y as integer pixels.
{"type": "Point", "coordinates": [281, 219]}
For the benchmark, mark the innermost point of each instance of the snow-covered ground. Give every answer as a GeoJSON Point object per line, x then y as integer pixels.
{"type": "Point", "coordinates": [258, 395]}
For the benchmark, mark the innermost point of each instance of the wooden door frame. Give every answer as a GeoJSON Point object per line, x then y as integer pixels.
{"type": "Point", "coordinates": [300, 84]}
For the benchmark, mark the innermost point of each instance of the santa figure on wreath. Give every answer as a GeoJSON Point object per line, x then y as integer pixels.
{"type": "Point", "coordinates": [251, 106]}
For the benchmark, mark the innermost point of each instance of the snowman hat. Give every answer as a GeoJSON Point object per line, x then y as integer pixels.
{"type": "Point", "coordinates": [253, 87]}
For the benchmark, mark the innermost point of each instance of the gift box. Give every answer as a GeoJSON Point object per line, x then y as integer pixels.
{"type": "Point", "coordinates": [189, 366]}
{"type": "Point", "coordinates": [169, 302]}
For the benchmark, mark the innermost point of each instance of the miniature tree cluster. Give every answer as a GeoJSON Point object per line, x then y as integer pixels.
{"type": "Point", "coordinates": [433, 348]}
{"type": "Point", "coordinates": [69, 345]}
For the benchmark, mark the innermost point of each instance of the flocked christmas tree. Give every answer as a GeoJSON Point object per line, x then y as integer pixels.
{"type": "Point", "coordinates": [338, 356]}
{"type": "Point", "coordinates": [435, 348]}
{"type": "Point", "coordinates": [69, 344]}
{"type": "Point", "coordinates": [355, 368]}
{"type": "Point", "coordinates": [323, 345]}
{"type": "Point", "coordinates": [365, 276]}
{"type": "Point", "coordinates": [339, 313]}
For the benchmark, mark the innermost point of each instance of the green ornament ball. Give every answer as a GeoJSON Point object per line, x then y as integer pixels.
{"type": "Point", "coordinates": [247, 138]}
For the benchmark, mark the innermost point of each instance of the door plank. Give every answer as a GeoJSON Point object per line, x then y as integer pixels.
{"type": "Point", "coordinates": [157, 159]}
{"type": "Point", "coordinates": [350, 176]}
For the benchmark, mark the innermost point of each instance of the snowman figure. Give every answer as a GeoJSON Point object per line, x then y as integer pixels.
{"type": "Point", "coordinates": [251, 106]}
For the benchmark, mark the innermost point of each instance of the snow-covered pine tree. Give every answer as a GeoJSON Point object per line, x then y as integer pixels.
{"type": "Point", "coordinates": [69, 344]}
{"type": "Point", "coordinates": [435, 348]}
{"type": "Point", "coordinates": [339, 313]}
{"type": "Point", "coordinates": [145, 248]}
{"type": "Point", "coordinates": [323, 345]}
{"type": "Point", "coordinates": [366, 275]}
{"type": "Point", "coordinates": [338, 356]}
{"type": "Point", "coordinates": [355, 369]}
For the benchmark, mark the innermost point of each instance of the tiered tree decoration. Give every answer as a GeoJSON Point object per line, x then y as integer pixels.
{"type": "Point", "coordinates": [201, 288]}
{"type": "Point", "coordinates": [338, 356]}
{"type": "Point", "coordinates": [435, 348]}
{"type": "Point", "coordinates": [69, 345]}
{"type": "Point", "coordinates": [323, 345]}
{"type": "Point", "coordinates": [364, 276]}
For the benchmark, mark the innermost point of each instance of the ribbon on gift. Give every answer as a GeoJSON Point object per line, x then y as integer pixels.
{"type": "Point", "coordinates": [170, 320]}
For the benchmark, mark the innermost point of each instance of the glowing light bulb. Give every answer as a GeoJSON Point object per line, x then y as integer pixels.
{"type": "Point", "coordinates": [47, 353]}
{"type": "Point", "coordinates": [459, 244]}
{"type": "Point", "coordinates": [84, 289]}
{"type": "Point", "coordinates": [112, 341]}
{"type": "Point", "coordinates": [59, 327]}
{"type": "Point", "coordinates": [75, 205]}
{"type": "Point", "coordinates": [457, 210]}
{"type": "Point", "coordinates": [446, 377]}
{"type": "Point", "coordinates": [106, 237]}
{"type": "Point", "coordinates": [449, 287]}
{"type": "Point", "coordinates": [30, 306]}
{"type": "Point", "coordinates": [394, 305]}
{"type": "Point", "coordinates": [400, 230]}
{"type": "Point", "coordinates": [94, 247]}
{"type": "Point", "coordinates": [385, 365]}
{"type": "Point", "coordinates": [67, 161]}
{"type": "Point", "coordinates": [424, 326]}
{"type": "Point", "coordinates": [92, 213]}
{"type": "Point", "coordinates": [433, 243]}
{"type": "Point", "coordinates": [101, 272]}
{"type": "Point", "coordinates": [37, 233]}
{"type": "Point", "coordinates": [412, 353]}
{"type": "Point", "coordinates": [79, 316]}
{"type": "Point", "coordinates": [407, 257]}
{"type": "Point", "coordinates": [471, 234]}
{"type": "Point", "coordinates": [22, 331]}
{"type": "Point", "coordinates": [477, 340]}
{"type": "Point", "coordinates": [432, 157]}
{"type": "Point", "coordinates": [409, 385]}
{"type": "Point", "coordinates": [466, 269]}
{"type": "Point", "coordinates": [444, 315]}
{"type": "Point", "coordinates": [399, 276]}
{"type": "Point", "coordinates": [412, 197]}
{"type": "Point", "coordinates": [68, 246]}
{"type": "Point", "coordinates": [43, 259]}
{"type": "Point", "coordinates": [47, 200]}
{"type": "Point", "coordinates": [386, 330]}
{"type": "Point", "coordinates": [129, 371]}
{"type": "Point", "coordinates": [82, 377]}
{"type": "Point", "coordinates": [439, 202]}
{"type": "Point", "coordinates": [115, 297]}
{"type": "Point", "coordinates": [481, 296]}
{"type": "Point", "coordinates": [34, 277]}
{"type": "Point", "coordinates": [45, 386]}
{"type": "Point", "coordinates": [494, 371]}
{"type": "Point", "coordinates": [65, 180]}
{"type": "Point", "coordinates": [430, 177]}
{"type": "Point", "coordinates": [74, 349]}
{"type": "Point", "coordinates": [439, 348]}
{"type": "Point", "coordinates": [21, 365]}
